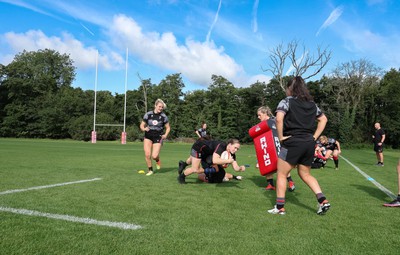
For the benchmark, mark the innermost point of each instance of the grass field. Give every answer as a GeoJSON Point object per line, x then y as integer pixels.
{"type": "Point", "coordinates": [197, 218]}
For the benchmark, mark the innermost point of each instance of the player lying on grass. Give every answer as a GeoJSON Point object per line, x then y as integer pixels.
{"type": "Point", "coordinates": [203, 149]}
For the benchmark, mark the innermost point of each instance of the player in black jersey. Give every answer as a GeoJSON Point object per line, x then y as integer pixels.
{"type": "Point", "coordinates": [332, 147]}
{"type": "Point", "coordinates": [153, 125]}
{"type": "Point", "coordinates": [202, 132]}
{"type": "Point", "coordinates": [208, 152]}
{"type": "Point", "coordinates": [295, 119]}
{"type": "Point", "coordinates": [379, 138]}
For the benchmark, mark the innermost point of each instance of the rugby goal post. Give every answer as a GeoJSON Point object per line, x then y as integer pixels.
{"type": "Point", "coordinates": [123, 134]}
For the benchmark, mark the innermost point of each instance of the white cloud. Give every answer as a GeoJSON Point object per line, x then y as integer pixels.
{"type": "Point", "coordinates": [195, 60]}
{"type": "Point", "coordinates": [83, 57]}
{"type": "Point", "coordinates": [335, 14]}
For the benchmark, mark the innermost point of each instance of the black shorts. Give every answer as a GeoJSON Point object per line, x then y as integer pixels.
{"type": "Point", "coordinates": [200, 150]}
{"type": "Point", "coordinates": [378, 148]}
{"type": "Point", "coordinates": [155, 137]}
{"type": "Point", "coordinates": [295, 151]}
{"type": "Point", "coordinates": [217, 177]}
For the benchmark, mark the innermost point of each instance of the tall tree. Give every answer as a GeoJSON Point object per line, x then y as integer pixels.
{"type": "Point", "coordinates": [301, 62]}
{"type": "Point", "coordinates": [347, 85]}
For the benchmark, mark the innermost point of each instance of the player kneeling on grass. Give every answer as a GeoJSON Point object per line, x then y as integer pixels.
{"type": "Point", "coordinates": [203, 149]}
{"type": "Point", "coordinates": [332, 147]}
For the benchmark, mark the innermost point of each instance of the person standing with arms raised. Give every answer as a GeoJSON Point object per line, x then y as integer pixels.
{"type": "Point", "coordinates": [295, 120]}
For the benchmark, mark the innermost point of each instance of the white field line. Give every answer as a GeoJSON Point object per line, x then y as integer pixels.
{"type": "Point", "coordinates": [47, 186]}
{"type": "Point", "coordinates": [369, 178]}
{"type": "Point", "coordinates": [121, 225]}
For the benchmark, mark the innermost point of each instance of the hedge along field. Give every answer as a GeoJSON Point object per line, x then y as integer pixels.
{"type": "Point", "coordinates": [196, 218]}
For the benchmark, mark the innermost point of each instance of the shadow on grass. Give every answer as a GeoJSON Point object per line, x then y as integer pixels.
{"type": "Point", "coordinates": [167, 170]}
{"type": "Point", "coordinates": [291, 198]}
{"type": "Point", "coordinates": [372, 191]}
{"type": "Point", "coordinates": [259, 181]}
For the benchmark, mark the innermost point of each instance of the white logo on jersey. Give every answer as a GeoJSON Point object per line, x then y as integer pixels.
{"type": "Point", "coordinates": [155, 122]}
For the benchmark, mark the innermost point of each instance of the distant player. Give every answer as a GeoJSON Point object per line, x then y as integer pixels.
{"type": "Point", "coordinates": [332, 147]}
{"type": "Point", "coordinates": [379, 138]}
{"type": "Point", "coordinates": [319, 156]}
{"type": "Point", "coordinates": [202, 132]}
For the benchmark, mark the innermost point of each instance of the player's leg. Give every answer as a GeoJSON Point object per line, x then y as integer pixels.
{"type": "Point", "coordinates": [270, 182]}
{"type": "Point", "coordinates": [194, 168]}
{"type": "Point", "coordinates": [147, 145]}
{"type": "Point", "coordinates": [156, 154]}
{"type": "Point", "coordinates": [281, 182]}
{"type": "Point", "coordinates": [336, 159]}
{"type": "Point", "coordinates": [305, 175]}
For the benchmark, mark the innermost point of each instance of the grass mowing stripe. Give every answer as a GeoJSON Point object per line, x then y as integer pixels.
{"type": "Point", "coordinates": [121, 225]}
{"type": "Point", "coordinates": [47, 186]}
{"type": "Point", "coordinates": [369, 178]}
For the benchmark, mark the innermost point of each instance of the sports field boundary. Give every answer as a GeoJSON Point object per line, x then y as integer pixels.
{"type": "Point", "coordinates": [47, 186]}
{"type": "Point", "coordinates": [120, 225]}
{"type": "Point", "coordinates": [369, 178]}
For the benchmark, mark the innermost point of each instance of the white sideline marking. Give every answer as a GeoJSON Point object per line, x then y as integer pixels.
{"type": "Point", "coordinates": [377, 184]}
{"type": "Point", "coordinates": [47, 186]}
{"type": "Point", "coordinates": [121, 225]}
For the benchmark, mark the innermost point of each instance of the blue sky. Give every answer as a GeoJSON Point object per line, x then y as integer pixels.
{"type": "Point", "coordinates": [196, 38]}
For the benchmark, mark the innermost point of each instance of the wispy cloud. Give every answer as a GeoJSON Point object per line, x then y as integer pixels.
{"type": "Point", "coordinates": [335, 14]}
{"type": "Point", "coordinates": [31, 7]}
{"type": "Point", "coordinates": [254, 23]}
{"type": "Point", "coordinates": [87, 29]}
{"type": "Point", "coordinates": [362, 42]}
{"type": "Point", "coordinates": [214, 22]}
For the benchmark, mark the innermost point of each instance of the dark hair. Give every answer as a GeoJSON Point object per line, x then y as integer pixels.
{"type": "Point", "coordinates": [298, 88]}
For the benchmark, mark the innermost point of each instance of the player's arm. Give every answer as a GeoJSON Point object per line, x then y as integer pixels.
{"type": "Point", "coordinates": [383, 138]}
{"type": "Point", "coordinates": [280, 115]}
{"type": "Point", "coordinates": [197, 133]}
{"type": "Point", "coordinates": [322, 120]}
{"type": "Point", "coordinates": [338, 146]}
{"type": "Point", "coordinates": [238, 168]}
{"type": "Point", "coordinates": [144, 127]}
{"type": "Point", "coordinates": [167, 130]}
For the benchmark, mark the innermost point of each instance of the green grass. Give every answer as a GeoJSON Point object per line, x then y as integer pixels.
{"type": "Point", "coordinates": [197, 218]}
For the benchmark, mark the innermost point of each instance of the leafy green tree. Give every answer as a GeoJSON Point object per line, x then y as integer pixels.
{"type": "Point", "coordinates": [388, 107]}
{"type": "Point", "coordinates": [29, 80]}
{"type": "Point", "coordinates": [170, 91]}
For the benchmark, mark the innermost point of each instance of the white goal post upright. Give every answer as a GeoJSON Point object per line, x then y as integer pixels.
{"type": "Point", "coordinates": [94, 136]}
{"type": "Point", "coordinates": [123, 134]}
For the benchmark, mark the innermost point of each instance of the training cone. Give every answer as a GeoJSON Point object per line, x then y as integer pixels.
{"type": "Point", "coordinates": [141, 171]}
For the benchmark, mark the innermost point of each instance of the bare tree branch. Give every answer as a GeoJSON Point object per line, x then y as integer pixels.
{"type": "Point", "coordinates": [306, 63]}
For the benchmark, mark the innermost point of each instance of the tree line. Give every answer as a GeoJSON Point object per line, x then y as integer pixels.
{"type": "Point", "coordinates": [37, 100]}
